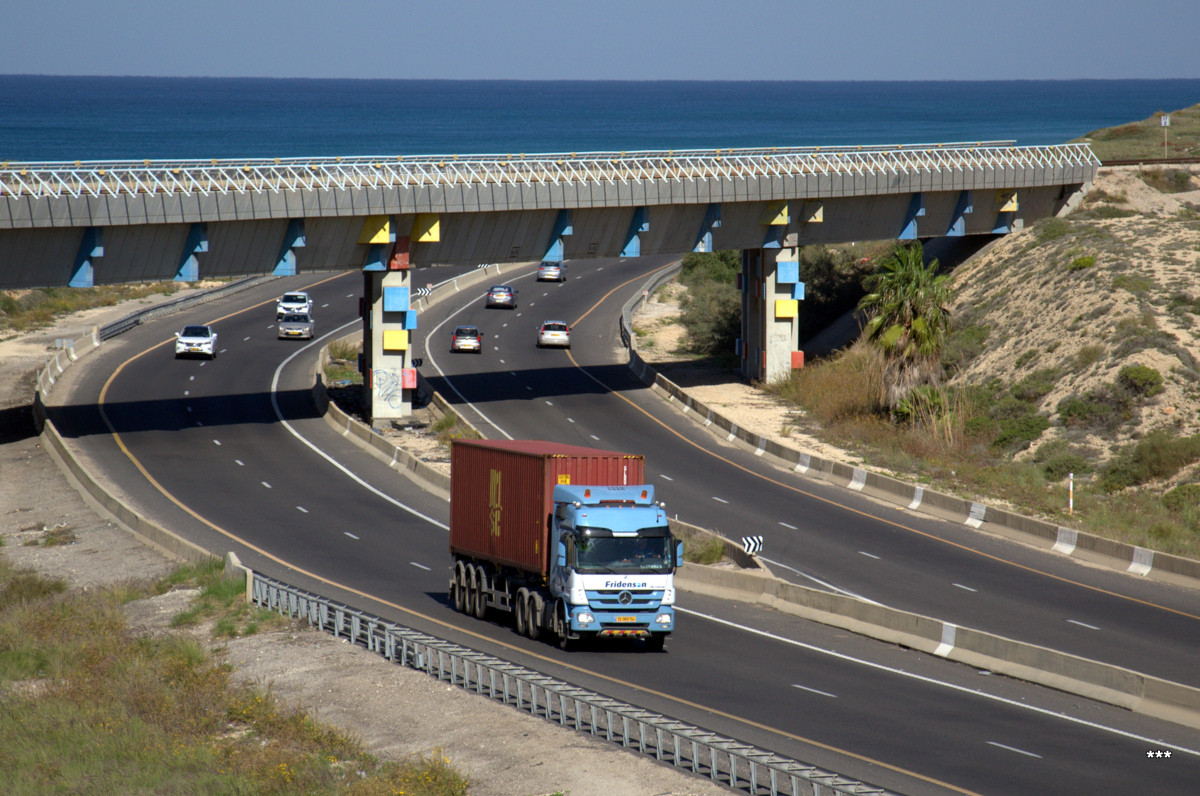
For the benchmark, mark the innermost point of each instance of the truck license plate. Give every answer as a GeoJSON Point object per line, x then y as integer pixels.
{"type": "Point", "coordinates": [626, 619]}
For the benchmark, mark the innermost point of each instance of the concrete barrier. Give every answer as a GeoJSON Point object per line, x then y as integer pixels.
{"type": "Point", "coordinates": [170, 544]}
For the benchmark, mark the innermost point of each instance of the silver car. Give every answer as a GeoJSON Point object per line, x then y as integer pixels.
{"type": "Point", "coordinates": [552, 272]}
{"type": "Point", "coordinates": [501, 296]}
{"type": "Point", "coordinates": [555, 333]}
{"type": "Point", "coordinates": [198, 340]}
{"type": "Point", "coordinates": [295, 325]}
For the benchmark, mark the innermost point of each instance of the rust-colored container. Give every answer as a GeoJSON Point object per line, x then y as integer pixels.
{"type": "Point", "coordinates": [501, 494]}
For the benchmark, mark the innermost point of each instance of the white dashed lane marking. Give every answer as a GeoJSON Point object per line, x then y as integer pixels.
{"type": "Point", "coordinates": [814, 690]}
{"type": "Point", "coordinates": [1014, 749]}
{"type": "Point", "coordinates": [352, 536]}
{"type": "Point", "coordinates": [719, 500]}
{"type": "Point", "coordinates": [964, 588]}
{"type": "Point", "coordinates": [868, 555]}
{"type": "Point", "coordinates": [1083, 624]}
{"type": "Point", "coordinates": [785, 525]}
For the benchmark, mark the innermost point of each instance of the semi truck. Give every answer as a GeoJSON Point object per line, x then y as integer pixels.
{"type": "Point", "coordinates": [567, 540]}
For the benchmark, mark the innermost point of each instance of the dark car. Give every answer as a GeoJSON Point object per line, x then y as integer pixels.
{"type": "Point", "coordinates": [502, 296]}
{"type": "Point", "coordinates": [466, 338]}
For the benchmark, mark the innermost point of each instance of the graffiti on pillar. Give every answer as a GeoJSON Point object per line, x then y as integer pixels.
{"type": "Point", "coordinates": [389, 386]}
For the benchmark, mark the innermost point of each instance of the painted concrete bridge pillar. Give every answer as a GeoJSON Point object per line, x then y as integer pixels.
{"type": "Point", "coordinates": [389, 321]}
{"type": "Point", "coordinates": [771, 296]}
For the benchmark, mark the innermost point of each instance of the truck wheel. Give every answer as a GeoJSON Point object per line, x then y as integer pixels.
{"type": "Point", "coordinates": [520, 611]}
{"type": "Point", "coordinates": [468, 588]}
{"type": "Point", "coordinates": [456, 589]}
{"type": "Point", "coordinates": [533, 619]}
{"type": "Point", "coordinates": [480, 581]}
{"type": "Point", "coordinates": [655, 642]}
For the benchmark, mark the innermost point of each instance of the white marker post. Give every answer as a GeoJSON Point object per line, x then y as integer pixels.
{"type": "Point", "coordinates": [1166, 122]}
{"type": "Point", "coordinates": [1071, 493]}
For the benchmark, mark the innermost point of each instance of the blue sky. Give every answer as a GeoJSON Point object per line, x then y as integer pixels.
{"type": "Point", "coordinates": [606, 39]}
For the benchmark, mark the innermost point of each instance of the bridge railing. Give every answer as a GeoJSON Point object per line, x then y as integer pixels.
{"type": "Point", "coordinates": [204, 177]}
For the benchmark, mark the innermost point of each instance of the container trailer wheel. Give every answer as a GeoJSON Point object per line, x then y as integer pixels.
{"type": "Point", "coordinates": [479, 588]}
{"type": "Point", "coordinates": [521, 611]}
{"type": "Point", "coordinates": [533, 618]}
{"type": "Point", "coordinates": [457, 588]}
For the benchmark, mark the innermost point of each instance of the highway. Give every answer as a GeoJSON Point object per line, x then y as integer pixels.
{"type": "Point", "coordinates": [199, 446]}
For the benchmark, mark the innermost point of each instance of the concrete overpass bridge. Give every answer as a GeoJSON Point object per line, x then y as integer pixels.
{"type": "Point", "coordinates": [89, 223]}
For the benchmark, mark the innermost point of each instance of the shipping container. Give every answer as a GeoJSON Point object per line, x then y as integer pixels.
{"type": "Point", "coordinates": [501, 494]}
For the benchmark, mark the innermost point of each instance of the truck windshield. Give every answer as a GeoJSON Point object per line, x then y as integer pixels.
{"type": "Point", "coordinates": [623, 554]}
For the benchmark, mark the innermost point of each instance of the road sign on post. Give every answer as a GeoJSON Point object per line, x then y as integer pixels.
{"type": "Point", "coordinates": [1166, 122]}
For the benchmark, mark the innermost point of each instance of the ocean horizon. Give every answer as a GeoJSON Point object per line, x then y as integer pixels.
{"type": "Point", "coordinates": [56, 118]}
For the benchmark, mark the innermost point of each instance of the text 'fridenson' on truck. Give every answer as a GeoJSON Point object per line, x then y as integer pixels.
{"type": "Point", "coordinates": [567, 539]}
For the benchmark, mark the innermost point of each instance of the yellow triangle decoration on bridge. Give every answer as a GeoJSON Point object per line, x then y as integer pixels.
{"type": "Point", "coordinates": [775, 214]}
{"type": "Point", "coordinates": [375, 230]}
{"type": "Point", "coordinates": [426, 228]}
{"type": "Point", "coordinates": [1006, 201]}
{"type": "Point", "coordinates": [814, 213]}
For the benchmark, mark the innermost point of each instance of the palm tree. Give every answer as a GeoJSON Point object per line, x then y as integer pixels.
{"type": "Point", "coordinates": [908, 317]}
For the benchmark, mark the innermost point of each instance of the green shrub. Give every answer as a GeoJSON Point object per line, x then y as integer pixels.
{"type": "Point", "coordinates": [712, 316]}
{"type": "Point", "coordinates": [1183, 498]}
{"type": "Point", "coordinates": [1103, 407]}
{"type": "Point", "coordinates": [1050, 229]}
{"type": "Point", "coordinates": [1141, 380]}
{"type": "Point", "coordinates": [1089, 355]}
{"type": "Point", "coordinates": [1080, 263]}
{"type": "Point", "coordinates": [1134, 283]}
{"type": "Point", "coordinates": [962, 346]}
{"type": "Point", "coordinates": [1025, 358]}
{"type": "Point", "coordinates": [1017, 432]}
{"type": "Point", "coordinates": [1157, 455]}
{"type": "Point", "coordinates": [702, 267]}
{"type": "Point", "coordinates": [1036, 385]}
{"type": "Point", "coordinates": [703, 548]}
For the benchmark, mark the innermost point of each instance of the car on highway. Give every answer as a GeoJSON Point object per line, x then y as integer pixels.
{"type": "Point", "coordinates": [466, 338]}
{"type": "Point", "coordinates": [198, 340]}
{"type": "Point", "coordinates": [551, 272]}
{"type": "Point", "coordinates": [554, 333]}
{"type": "Point", "coordinates": [296, 326]}
{"type": "Point", "coordinates": [297, 301]}
{"type": "Point", "coordinates": [502, 296]}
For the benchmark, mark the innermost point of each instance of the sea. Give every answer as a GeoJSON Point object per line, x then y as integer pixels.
{"type": "Point", "coordinates": [57, 118]}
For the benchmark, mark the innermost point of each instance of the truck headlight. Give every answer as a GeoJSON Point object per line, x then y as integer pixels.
{"type": "Point", "coordinates": [663, 619]}
{"type": "Point", "coordinates": [584, 618]}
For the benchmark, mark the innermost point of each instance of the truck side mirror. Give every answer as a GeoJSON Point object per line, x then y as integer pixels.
{"type": "Point", "coordinates": [678, 553]}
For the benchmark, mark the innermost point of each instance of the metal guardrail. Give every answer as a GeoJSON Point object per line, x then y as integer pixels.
{"type": "Point", "coordinates": [125, 178]}
{"type": "Point", "coordinates": [734, 764]}
{"type": "Point", "coordinates": [122, 325]}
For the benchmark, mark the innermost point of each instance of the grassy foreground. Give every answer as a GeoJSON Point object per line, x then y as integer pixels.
{"type": "Point", "coordinates": [87, 708]}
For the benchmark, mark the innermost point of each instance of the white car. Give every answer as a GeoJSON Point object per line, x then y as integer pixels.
{"type": "Point", "coordinates": [554, 333]}
{"type": "Point", "coordinates": [199, 340]}
{"type": "Point", "coordinates": [297, 302]}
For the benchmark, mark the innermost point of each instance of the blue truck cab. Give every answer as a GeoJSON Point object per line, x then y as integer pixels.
{"type": "Point", "coordinates": [612, 573]}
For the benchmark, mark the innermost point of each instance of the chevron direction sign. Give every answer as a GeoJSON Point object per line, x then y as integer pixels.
{"type": "Point", "coordinates": [752, 544]}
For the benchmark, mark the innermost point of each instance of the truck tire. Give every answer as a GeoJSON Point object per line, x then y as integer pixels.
{"type": "Point", "coordinates": [655, 642]}
{"type": "Point", "coordinates": [457, 590]}
{"type": "Point", "coordinates": [468, 588]}
{"type": "Point", "coordinates": [521, 610]}
{"type": "Point", "coordinates": [480, 584]}
{"type": "Point", "coordinates": [533, 616]}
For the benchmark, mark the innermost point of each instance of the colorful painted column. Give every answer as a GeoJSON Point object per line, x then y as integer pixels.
{"type": "Point", "coordinates": [389, 321]}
